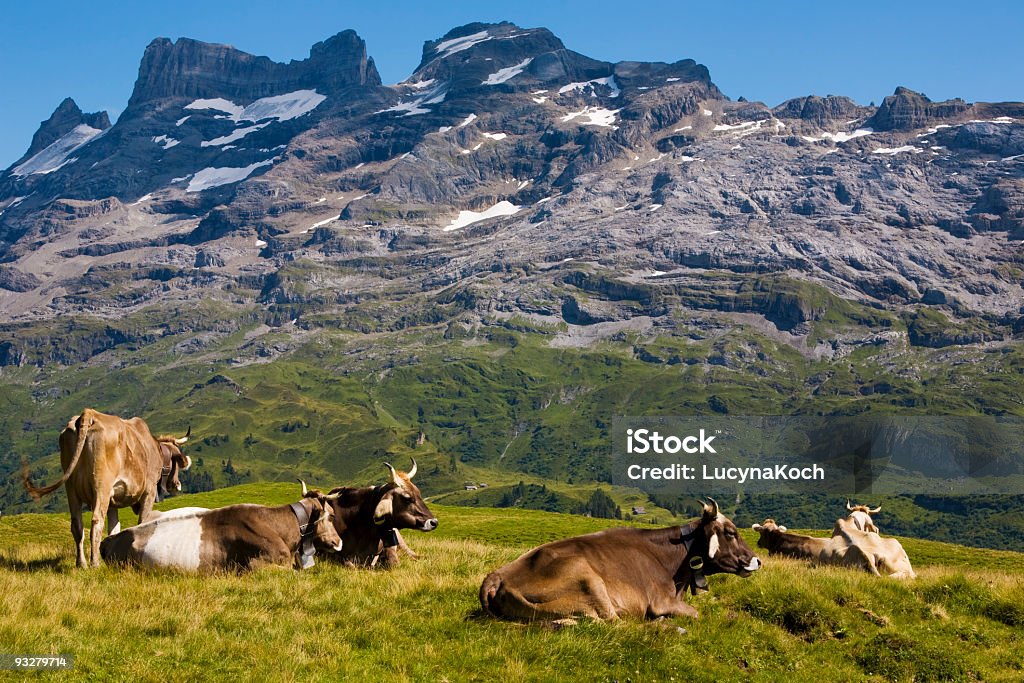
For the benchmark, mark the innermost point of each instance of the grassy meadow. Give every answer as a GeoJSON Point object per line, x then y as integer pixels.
{"type": "Point", "coordinates": [961, 620]}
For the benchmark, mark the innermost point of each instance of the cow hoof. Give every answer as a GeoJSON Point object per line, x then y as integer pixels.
{"type": "Point", "coordinates": [563, 623]}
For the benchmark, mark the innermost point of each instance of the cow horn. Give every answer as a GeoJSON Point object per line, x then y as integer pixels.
{"type": "Point", "coordinates": [412, 472]}
{"type": "Point", "coordinates": [184, 438]}
{"type": "Point", "coordinates": [333, 496]}
{"type": "Point", "coordinates": [713, 505]}
{"type": "Point", "coordinates": [394, 475]}
{"type": "Point", "coordinates": [304, 490]}
{"type": "Point", "coordinates": [874, 510]}
{"type": "Point", "coordinates": [848, 506]}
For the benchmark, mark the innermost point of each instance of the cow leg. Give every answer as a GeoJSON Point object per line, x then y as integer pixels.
{"type": "Point", "coordinates": [587, 597]}
{"type": "Point", "coordinates": [113, 521]}
{"type": "Point", "coordinates": [404, 547]}
{"type": "Point", "coordinates": [99, 518]}
{"type": "Point", "coordinates": [77, 529]}
{"type": "Point", "coordinates": [676, 607]}
{"type": "Point", "coordinates": [146, 507]}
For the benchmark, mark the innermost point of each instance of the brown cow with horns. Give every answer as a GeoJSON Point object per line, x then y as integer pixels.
{"type": "Point", "coordinates": [111, 463]}
{"type": "Point", "coordinates": [369, 519]}
{"type": "Point", "coordinates": [618, 572]}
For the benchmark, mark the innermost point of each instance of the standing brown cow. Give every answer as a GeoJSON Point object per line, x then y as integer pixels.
{"type": "Point", "coordinates": [617, 572]}
{"type": "Point", "coordinates": [111, 463]}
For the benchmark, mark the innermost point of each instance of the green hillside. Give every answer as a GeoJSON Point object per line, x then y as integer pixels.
{"type": "Point", "coordinates": [962, 620]}
{"type": "Point", "coordinates": [503, 402]}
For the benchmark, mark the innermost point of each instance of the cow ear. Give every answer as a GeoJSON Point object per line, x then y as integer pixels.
{"type": "Point", "coordinates": [783, 529]}
{"type": "Point", "coordinates": [713, 546]}
{"type": "Point", "coordinates": [756, 527]}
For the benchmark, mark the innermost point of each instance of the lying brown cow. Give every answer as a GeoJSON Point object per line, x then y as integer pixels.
{"type": "Point", "coordinates": [238, 537]}
{"type": "Point", "coordinates": [777, 540]}
{"type": "Point", "coordinates": [617, 572]}
{"type": "Point", "coordinates": [111, 463]}
{"type": "Point", "coordinates": [369, 518]}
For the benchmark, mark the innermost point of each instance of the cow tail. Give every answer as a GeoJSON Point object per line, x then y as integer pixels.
{"type": "Point", "coordinates": [82, 430]}
{"type": "Point", "coordinates": [488, 591]}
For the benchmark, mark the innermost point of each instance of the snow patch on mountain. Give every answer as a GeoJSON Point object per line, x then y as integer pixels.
{"type": "Point", "coordinates": [234, 135]}
{"type": "Point", "coordinates": [896, 150]}
{"type": "Point", "coordinates": [217, 104]}
{"type": "Point", "coordinates": [509, 72]}
{"type": "Point", "coordinates": [416, 105]}
{"type": "Point", "coordinates": [608, 81]}
{"type": "Point", "coordinates": [58, 152]}
{"type": "Point", "coordinates": [840, 136]}
{"type": "Point", "coordinates": [502, 208]}
{"type": "Point", "coordinates": [449, 47]}
{"type": "Point", "coordinates": [224, 175]}
{"type": "Point", "coordinates": [593, 116]}
{"type": "Point", "coordinates": [166, 142]}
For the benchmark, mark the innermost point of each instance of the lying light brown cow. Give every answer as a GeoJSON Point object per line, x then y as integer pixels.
{"type": "Point", "coordinates": [618, 572]}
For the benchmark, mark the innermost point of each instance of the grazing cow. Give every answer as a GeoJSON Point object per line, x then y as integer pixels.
{"type": "Point", "coordinates": [369, 519]}
{"type": "Point", "coordinates": [835, 551]}
{"type": "Point", "coordinates": [618, 572]}
{"type": "Point", "coordinates": [111, 463]}
{"type": "Point", "coordinates": [885, 556]}
{"type": "Point", "coordinates": [860, 516]}
{"type": "Point", "coordinates": [237, 537]}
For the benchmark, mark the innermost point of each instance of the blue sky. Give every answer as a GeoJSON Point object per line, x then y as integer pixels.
{"type": "Point", "coordinates": [768, 51]}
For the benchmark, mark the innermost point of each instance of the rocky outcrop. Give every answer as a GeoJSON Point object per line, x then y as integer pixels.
{"type": "Point", "coordinates": [194, 69]}
{"type": "Point", "coordinates": [821, 111]}
{"type": "Point", "coordinates": [907, 110]}
{"type": "Point", "coordinates": [65, 117]}
{"type": "Point", "coordinates": [13, 280]}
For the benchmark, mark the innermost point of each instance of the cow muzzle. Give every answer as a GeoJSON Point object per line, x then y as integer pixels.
{"type": "Point", "coordinates": [429, 525]}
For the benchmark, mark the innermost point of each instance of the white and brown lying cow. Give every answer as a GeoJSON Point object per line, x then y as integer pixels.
{"type": "Point", "coordinates": [623, 571]}
{"type": "Point", "coordinates": [237, 537]}
{"type": "Point", "coordinates": [848, 547]}
{"type": "Point", "coordinates": [369, 519]}
{"type": "Point", "coordinates": [839, 552]}
{"type": "Point", "coordinates": [860, 516]}
{"type": "Point", "coordinates": [885, 556]}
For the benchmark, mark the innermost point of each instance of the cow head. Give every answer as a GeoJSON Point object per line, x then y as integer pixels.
{"type": "Point", "coordinates": [726, 551]}
{"type": "Point", "coordinates": [768, 530]}
{"type": "Point", "coordinates": [860, 515]}
{"type": "Point", "coordinates": [326, 536]}
{"type": "Point", "coordinates": [174, 460]}
{"type": "Point", "coordinates": [401, 506]}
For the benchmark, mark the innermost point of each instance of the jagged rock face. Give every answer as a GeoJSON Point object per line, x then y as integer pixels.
{"type": "Point", "coordinates": [65, 117]}
{"type": "Point", "coordinates": [196, 70]}
{"type": "Point", "coordinates": [506, 152]}
{"type": "Point", "coordinates": [821, 111]}
{"type": "Point", "coordinates": [907, 110]}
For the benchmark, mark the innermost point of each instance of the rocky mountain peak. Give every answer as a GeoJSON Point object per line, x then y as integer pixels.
{"type": "Point", "coordinates": [63, 120]}
{"type": "Point", "coordinates": [820, 111]}
{"type": "Point", "coordinates": [487, 54]}
{"type": "Point", "coordinates": [906, 109]}
{"type": "Point", "coordinates": [189, 68]}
